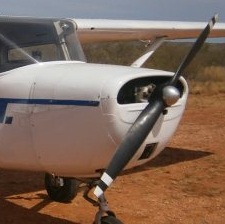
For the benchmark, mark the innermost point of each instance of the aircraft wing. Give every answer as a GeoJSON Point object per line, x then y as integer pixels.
{"type": "Point", "coordinates": [100, 30]}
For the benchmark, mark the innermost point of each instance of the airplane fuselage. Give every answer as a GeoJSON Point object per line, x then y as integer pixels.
{"type": "Point", "coordinates": [68, 118]}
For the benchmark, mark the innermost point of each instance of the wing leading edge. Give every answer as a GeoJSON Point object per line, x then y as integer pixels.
{"type": "Point", "coordinates": [100, 30]}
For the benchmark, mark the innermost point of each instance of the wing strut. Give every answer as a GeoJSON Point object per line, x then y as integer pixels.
{"type": "Point", "coordinates": [153, 46]}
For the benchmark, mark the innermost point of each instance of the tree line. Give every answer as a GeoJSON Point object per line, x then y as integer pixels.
{"type": "Point", "coordinates": [167, 57]}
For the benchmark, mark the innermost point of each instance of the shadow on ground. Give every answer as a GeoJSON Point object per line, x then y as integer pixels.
{"type": "Point", "coordinates": [17, 183]}
{"type": "Point", "coordinates": [171, 156]}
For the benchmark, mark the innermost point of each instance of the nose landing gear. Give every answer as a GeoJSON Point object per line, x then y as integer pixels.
{"type": "Point", "coordinates": [104, 215]}
{"type": "Point", "coordinates": [64, 190]}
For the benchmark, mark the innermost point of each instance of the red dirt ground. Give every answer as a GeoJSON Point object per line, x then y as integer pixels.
{"type": "Point", "coordinates": [185, 184]}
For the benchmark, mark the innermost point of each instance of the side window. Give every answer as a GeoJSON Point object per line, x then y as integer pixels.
{"type": "Point", "coordinates": [42, 53]}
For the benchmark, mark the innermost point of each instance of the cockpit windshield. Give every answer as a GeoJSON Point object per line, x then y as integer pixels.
{"type": "Point", "coordinates": [26, 41]}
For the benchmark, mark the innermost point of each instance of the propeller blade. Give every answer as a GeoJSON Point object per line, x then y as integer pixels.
{"type": "Point", "coordinates": [195, 49]}
{"type": "Point", "coordinates": [147, 119]}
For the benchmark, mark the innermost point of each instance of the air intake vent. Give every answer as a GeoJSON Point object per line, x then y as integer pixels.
{"type": "Point", "coordinates": [139, 90]}
{"type": "Point", "coordinates": [149, 149]}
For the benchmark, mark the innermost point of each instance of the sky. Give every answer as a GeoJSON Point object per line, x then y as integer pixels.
{"type": "Point", "coordinates": [183, 10]}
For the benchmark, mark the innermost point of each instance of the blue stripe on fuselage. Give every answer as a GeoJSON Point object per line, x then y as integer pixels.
{"type": "Point", "coordinates": [5, 101]}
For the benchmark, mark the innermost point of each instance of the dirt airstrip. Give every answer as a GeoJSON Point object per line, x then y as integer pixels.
{"type": "Point", "coordinates": [185, 184]}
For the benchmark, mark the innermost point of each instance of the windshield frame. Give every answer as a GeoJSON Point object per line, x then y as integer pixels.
{"type": "Point", "coordinates": [19, 33]}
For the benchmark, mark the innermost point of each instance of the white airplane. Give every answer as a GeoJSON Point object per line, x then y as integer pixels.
{"type": "Point", "coordinates": [82, 123]}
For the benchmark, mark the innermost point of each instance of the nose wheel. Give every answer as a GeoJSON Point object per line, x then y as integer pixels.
{"type": "Point", "coordinates": [104, 214]}
{"type": "Point", "coordinates": [110, 220]}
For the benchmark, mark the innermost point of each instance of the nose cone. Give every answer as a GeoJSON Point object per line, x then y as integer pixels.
{"type": "Point", "coordinates": [170, 95]}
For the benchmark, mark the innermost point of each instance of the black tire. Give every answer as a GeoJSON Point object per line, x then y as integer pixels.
{"type": "Point", "coordinates": [110, 220]}
{"type": "Point", "coordinates": [63, 194]}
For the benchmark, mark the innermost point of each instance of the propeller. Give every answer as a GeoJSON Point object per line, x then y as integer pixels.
{"type": "Point", "coordinates": [164, 95]}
